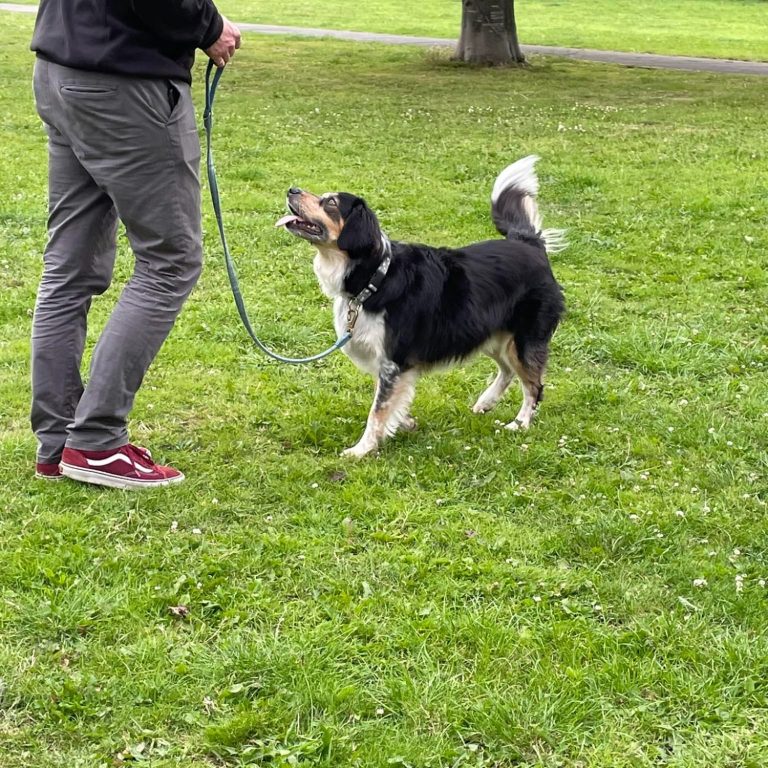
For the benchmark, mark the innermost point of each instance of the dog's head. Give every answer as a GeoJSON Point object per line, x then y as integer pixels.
{"type": "Point", "coordinates": [336, 220]}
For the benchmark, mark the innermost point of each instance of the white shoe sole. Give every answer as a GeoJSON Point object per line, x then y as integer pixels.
{"type": "Point", "coordinates": [95, 477]}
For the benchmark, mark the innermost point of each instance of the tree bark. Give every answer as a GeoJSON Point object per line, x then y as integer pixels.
{"type": "Point", "coordinates": [489, 33]}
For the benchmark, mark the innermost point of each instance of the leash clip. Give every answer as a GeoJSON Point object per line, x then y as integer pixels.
{"type": "Point", "coordinates": [353, 311]}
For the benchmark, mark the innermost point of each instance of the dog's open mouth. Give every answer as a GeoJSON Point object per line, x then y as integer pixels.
{"type": "Point", "coordinates": [299, 226]}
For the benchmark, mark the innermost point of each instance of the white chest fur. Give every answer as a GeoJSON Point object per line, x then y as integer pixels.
{"type": "Point", "coordinates": [366, 348]}
{"type": "Point", "coordinates": [331, 268]}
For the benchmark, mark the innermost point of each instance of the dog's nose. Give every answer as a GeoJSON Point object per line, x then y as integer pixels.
{"type": "Point", "coordinates": [294, 191]}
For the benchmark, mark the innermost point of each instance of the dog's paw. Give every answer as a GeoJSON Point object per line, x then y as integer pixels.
{"type": "Point", "coordinates": [358, 451]}
{"type": "Point", "coordinates": [517, 424]}
{"type": "Point", "coordinates": [482, 406]}
{"type": "Point", "coordinates": [408, 424]}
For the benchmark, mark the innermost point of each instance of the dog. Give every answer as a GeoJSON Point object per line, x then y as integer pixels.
{"type": "Point", "coordinates": [413, 308]}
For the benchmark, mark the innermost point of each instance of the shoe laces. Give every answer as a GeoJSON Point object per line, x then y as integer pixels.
{"type": "Point", "coordinates": [142, 455]}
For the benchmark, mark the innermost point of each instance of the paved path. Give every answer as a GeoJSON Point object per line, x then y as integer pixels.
{"type": "Point", "coordinates": [726, 66]}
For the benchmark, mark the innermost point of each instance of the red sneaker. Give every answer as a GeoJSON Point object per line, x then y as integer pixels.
{"type": "Point", "coordinates": [48, 471]}
{"type": "Point", "coordinates": [126, 467]}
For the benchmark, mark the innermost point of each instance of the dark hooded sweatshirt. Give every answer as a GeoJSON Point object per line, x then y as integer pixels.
{"type": "Point", "coordinates": [139, 38]}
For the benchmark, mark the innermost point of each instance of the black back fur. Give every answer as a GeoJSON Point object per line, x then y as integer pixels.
{"type": "Point", "coordinates": [442, 304]}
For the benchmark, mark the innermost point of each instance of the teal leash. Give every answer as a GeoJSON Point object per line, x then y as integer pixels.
{"type": "Point", "coordinates": [210, 93]}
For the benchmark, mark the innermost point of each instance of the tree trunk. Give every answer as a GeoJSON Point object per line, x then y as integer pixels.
{"type": "Point", "coordinates": [489, 33]}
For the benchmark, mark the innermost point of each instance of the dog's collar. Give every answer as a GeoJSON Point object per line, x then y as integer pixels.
{"type": "Point", "coordinates": [356, 302]}
{"type": "Point", "coordinates": [375, 282]}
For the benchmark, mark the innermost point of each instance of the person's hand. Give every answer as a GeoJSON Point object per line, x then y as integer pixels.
{"type": "Point", "coordinates": [224, 48]}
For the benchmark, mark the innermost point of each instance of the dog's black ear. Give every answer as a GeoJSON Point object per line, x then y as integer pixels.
{"type": "Point", "coordinates": [361, 230]}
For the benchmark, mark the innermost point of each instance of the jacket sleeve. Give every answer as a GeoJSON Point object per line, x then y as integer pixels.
{"type": "Point", "coordinates": [193, 23]}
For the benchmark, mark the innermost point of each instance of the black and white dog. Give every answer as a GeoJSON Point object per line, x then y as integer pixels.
{"type": "Point", "coordinates": [415, 308]}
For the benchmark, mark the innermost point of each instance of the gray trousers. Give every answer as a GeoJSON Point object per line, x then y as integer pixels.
{"type": "Point", "coordinates": [118, 148]}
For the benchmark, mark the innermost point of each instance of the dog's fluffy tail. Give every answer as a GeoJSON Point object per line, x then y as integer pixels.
{"type": "Point", "coordinates": [513, 205]}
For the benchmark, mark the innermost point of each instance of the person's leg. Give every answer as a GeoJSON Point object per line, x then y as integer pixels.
{"type": "Point", "coordinates": [143, 150]}
{"type": "Point", "coordinates": [78, 262]}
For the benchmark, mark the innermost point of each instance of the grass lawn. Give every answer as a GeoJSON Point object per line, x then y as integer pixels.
{"type": "Point", "coordinates": [719, 28]}
{"type": "Point", "coordinates": [469, 598]}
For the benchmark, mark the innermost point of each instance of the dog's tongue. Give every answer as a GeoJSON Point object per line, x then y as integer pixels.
{"type": "Point", "coordinates": [286, 220]}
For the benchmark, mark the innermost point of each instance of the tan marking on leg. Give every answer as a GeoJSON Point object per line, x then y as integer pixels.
{"type": "Point", "coordinates": [390, 406]}
{"type": "Point", "coordinates": [491, 396]}
{"type": "Point", "coordinates": [531, 384]}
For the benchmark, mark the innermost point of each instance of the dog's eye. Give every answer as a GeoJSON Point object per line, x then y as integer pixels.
{"type": "Point", "coordinates": [332, 202]}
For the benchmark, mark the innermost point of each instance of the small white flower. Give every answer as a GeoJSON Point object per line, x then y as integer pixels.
{"type": "Point", "coordinates": [196, 531]}
{"type": "Point", "coordinates": [670, 429]}
{"type": "Point", "coordinates": [729, 442]}
{"type": "Point", "coordinates": [711, 430]}
{"type": "Point", "coordinates": [680, 513]}
{"type": "Point", "coordinates": [634, 518]}
{"type": "Point", "coordinates": [700, 582]}
{"type": "Point", "coordinates": [174, 525]}
{"type": "Point", "coordinates": [214, 501]}
{"type": "Point", "coordinates": [761, 582]}
{"type": "Point", "coordinates": [315, 485]}
{"type": "Point", "coordinates": [736, 552]}
{"type": "Point", "coordinates": [536, 599]}
{"type": "Point", "coordinates": [380, 711]}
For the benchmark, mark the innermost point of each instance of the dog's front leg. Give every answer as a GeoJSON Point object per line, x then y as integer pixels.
{"type": "Point", "coordinates": [391, 404]}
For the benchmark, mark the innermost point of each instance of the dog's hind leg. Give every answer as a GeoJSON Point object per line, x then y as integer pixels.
{"type": "Point", "coordinates": [390, 409]}
{"type": "Point", "coordinates": [530, 369]}
{"type": "Point", "coordinates": [504, 377]}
